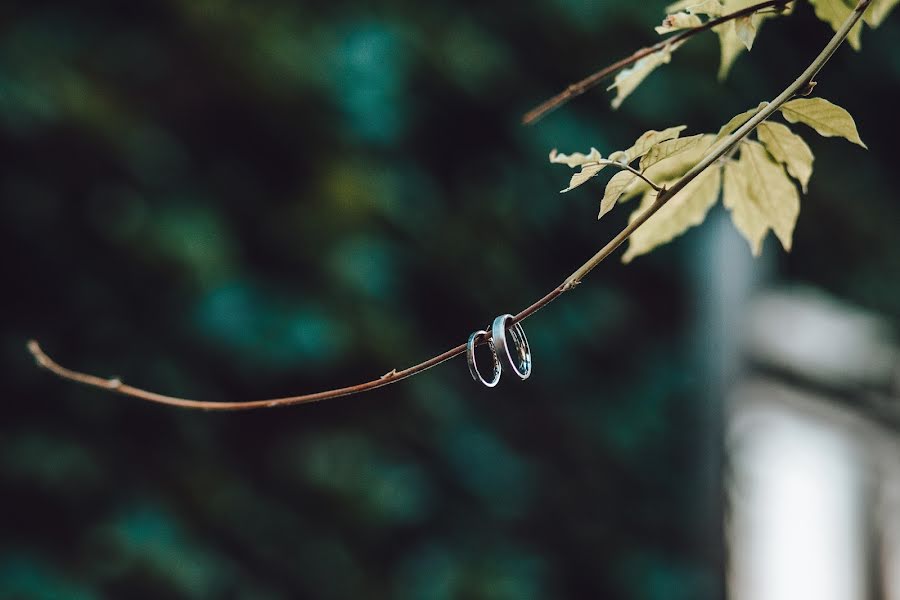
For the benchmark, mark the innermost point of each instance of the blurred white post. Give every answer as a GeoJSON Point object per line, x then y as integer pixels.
{"type": "Point", "coordinates": [814, 460]}
{"type": "Point", "coordinates": [798, 523]}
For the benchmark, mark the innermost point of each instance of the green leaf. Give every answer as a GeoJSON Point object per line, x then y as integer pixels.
{"type": "Point", "coordinates": [627, 80]}
{"type": "Point", "coordinates": [789, 149]}
{"type": "Point", "coordinates": [826, 118]}
{"type": "Point", "coordinates": [737, 120]}
{"type": "Point", "coordinates": [684, 210]}
{"type": "Point", "coordinates": [835, 12]}
{"type": "Point", "coordinates": [677, 21]}
{"type": "Point", "coordinates": [878, 12]}
{"type": "Point", "coordinates": [760, 196]}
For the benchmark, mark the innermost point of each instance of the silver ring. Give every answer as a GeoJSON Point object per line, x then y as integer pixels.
{"type": "Point", "coordinates": [520, 357]}
{"type": "Point", "coordinates": [470, 357]}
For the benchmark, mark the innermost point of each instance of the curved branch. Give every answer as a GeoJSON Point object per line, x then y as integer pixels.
{"type": "Point", "coordinates": [797, 87]}
{"type": "Point", "coordinates": [580, 87]}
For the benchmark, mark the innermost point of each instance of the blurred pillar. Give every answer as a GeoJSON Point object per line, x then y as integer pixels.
{"type": "Point", "coordinates": [813, 440]}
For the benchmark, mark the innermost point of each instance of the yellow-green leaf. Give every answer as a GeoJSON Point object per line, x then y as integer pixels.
{"type": "Point", "coordinates": [789, 149]}
{"type": "Point", "coordinates": [627, 80]}
{"type": "Point", "coordinates": [878, 11]}
{"type": "Point", "coordinates": [760, 196]}
{"type": "Point", "coordinates": [826, 118]}
{"type": "Point", "coordinates": [616, 186]}
{"type": "Point", "coordinates": [738, 120]}
{"type": "Point", "coordinates": [835, 12]}
{"type": "Point", "coordinates": [677, 21]}
{"type": "Point", "coordinates": [576, 159]}
{"type": "Point", "coordinates": [711, 8]}
{"type": "Point", "coordinates": [745, 29]}
{"type": "Point", "coordinates": [668, 148]}
{"type": "Point", "coordinates": [590, 165]}
{"type": "Point", "coordinates": [730, 47]}
{"type": "Point", "coordinates": [737, 35]}
{"type": "Point", "coordinates": [684, 210]}
{"type": "Point", "coordinates": [621, 183]}
{"type": "Point", "coordinates": [668, 162]}
{"type": "Point", "coordinates": [586, 172]}
{"type": "Point", "coordinates": [649, 139]}
{"type": "Point", "coordinates": [671, 167]}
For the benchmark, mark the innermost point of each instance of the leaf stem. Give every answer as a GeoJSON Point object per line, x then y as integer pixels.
{"type": "Point", "coordinates": [800, 84]}
{"type": "Point", "coordinates": [579, 87]}
{"type": "Point", "coordinates": [626, 167]}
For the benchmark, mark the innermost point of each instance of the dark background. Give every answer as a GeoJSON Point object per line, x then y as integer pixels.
{"type": "Point", "coordinates": [230, 200]}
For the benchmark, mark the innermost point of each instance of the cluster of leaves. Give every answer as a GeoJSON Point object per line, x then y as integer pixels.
{"type": "Point", "coordinates": [756, 178]}
{"type": "Point", "coordinates": [737, 34]}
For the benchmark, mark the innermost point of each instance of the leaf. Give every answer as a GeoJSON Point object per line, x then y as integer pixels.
{"type": "Point", "coordinates": [617, 185]}
{"type": "Point", "coordinates": [878, 12]}
{"type": "Point", "coordinates": [711, 8]}
{"type": "Point", "coordinates": [679, 20]}
{"type": "Point", "coordinates": [576, 159]}
{"type": "Point", "coordinates": [649, 139]}
{"type": "Point", "coordinates": [737, 120]}
{"type": "Point", "coordinates": [684, 210]}
{"type": "Point", "coordinates": [668, 162]}
{"type": "Point", "coordinates": [671, 167]}
{"type": "Point", "coordinates": [835, 12]}
{"type": "Point", "coordinates": [582, 176]}
{"type": "Point", "coordinates": [789, 149]}
{"type": "Point", "coordinates": [668, 148]}
{"type": "Point", "coordinates": [760, 196]}
{"type": "Point", "coordinates": [730, 47]}
{"type": "Point", "coordinates": [627, 80]}
{"type": "Point", "coordinates": [589, 163]}
{"type": "Point", "coordinates": [826, 118]}
{"type": "Point", "coordinates": [736, 35]}
{"type": "Point", "coordinates": [745, 29]}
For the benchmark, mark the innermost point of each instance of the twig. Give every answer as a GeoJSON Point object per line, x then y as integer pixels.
{"type": "Point", "coordinates": [580, 87]}
{"type": "Point", "coordinates": [627, 167]}
{"type": "Point", "coordinates": [803, 81]}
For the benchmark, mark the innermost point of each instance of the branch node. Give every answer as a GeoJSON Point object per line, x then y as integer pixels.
{"type": "Point", "coordinates": [808, 89]}
{"type": "Point", "coordinates": [389, 374]}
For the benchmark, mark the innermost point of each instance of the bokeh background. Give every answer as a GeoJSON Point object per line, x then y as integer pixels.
{"type": "Point", "coordinates": [234, 200]}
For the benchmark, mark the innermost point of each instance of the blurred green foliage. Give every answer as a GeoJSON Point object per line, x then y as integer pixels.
{"type": "Point", "coordinates": [234, 200]}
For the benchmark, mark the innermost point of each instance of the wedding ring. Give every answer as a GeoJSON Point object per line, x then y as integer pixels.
{"type": "Point", "coordinates": [473, 367]}
{"type": "Point", "coordinates": [519, 355]}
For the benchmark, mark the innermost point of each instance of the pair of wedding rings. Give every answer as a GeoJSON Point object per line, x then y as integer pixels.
{"type": "Point", "coordinates": [506, 342]}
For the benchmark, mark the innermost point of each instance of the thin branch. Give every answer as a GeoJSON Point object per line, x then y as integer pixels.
{"type": "Point", "coordinates": [798, 86]}
{"type": "Point", "coordinates": [580, 87]}
{"type": "Point", "coordinates": [626, 167]}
